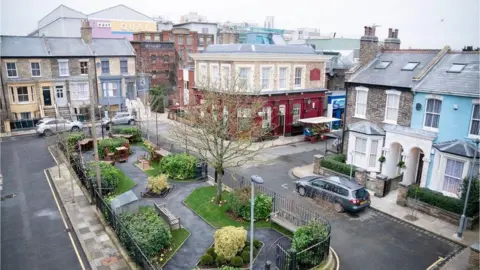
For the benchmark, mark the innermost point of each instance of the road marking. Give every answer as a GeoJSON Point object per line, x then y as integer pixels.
{"type": "Point", "coordinates": [284, 186]}
{"type": "Point", "coordinates": [64, 221]}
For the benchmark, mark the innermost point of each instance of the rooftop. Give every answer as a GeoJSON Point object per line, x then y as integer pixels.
{"type": "Point", "coordinates": [457, 147]}
{"type": "Point", "coordinates": [367, 128]}
{"type": "Point", "coordinates": [259, 48]}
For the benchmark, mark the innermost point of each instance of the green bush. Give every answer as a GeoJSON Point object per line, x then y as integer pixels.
{"type": "Point", "coordinates": [239, 203]}
{"type": "Point", "coordinates": [211, 252]}
{"type": "Point", "coordinates": [337, 166]}
{"type": "Point", "coordinates": [137, 134]}
{"type": "Point", "coordinates": [220, 261]}
{"type": "Point", "coordinates": [246, 256]}
{"type": "Point", "coordinates": [179, 166]}
{"type": "Point", "coordinates": [262, 208]}
{"type": "Point", "coordinates": [237, 261]}
{"type": "Point", "coordinates": [257, 244]}
{"type": "Point", "coordinates": [229, 268]}
{"type": "Point", "coordinates": [307, 236]}
{"type": "Point", "coordinates": [147, 229]}
{"type": "Point", "coordinates": [109, 173]}
{"type": "Point", "coordinates": [451, 204]}
{"type": "Point", "coordinates": [111, 144]}
{"type": "Point", "coordinates": [73, 138]}
{"type": "Point", "coordinates": [206, 259]}
{"type": "Point", "coordinates": [340, 158]}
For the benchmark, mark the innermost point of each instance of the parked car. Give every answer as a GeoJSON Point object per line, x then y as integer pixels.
{"type": "Point", "coordinates": [121, 118]}
{"type": "Point", "coordinates": [49, 126]}
{"type": "Point", "coordinates": [346, 195]}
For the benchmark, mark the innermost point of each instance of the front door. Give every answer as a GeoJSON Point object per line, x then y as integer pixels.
{"type": "Point", "coordinates": [130, 91]}
{"type": "Point", "coordinates": [281, 120]}
{"type": "Point", "coordinates": [60, 95]}
{"type": "Point", "coordinates": [47, 99]}
{"type": "Point", "coordinates": [419, 170]}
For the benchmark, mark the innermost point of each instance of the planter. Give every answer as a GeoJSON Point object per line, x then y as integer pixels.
{"type": "Point", "coordinates": [245, 266]}
{"type": "Point", "coordinates": [163, 194]}
{"type": "Point", "coordinates": [441, 214]}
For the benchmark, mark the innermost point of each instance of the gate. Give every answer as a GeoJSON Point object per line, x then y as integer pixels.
{"type": "Point", "coordinates": [282, 259]}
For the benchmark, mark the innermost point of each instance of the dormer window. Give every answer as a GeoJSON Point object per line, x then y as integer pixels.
{"type": "Point", "coordinates": [457, 68]}
{"type": "Point", "coordinates": [383, 65]}
{"type": "Point", "coordinates": [410, 66]}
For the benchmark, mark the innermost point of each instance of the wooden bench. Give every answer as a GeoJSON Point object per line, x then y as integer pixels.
{"type": "Point", "coordinates": [126, 136]}
{"type": "Point", "coordinates": [282, 218]}
{"type": "Point", "coordinates": [172, 221]}
{"type": "Point", "coordinates": [85, 144]}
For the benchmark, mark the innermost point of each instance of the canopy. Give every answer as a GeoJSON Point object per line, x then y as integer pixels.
{"type": "Point", "coordinates": [318, 120]}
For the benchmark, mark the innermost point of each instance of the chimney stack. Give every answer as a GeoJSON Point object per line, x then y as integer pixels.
{"type": "Point", "coordinates": [368, 45]}
{"type": "Point", "coordinates": [86, 32]}
{"type": "Point", "coordinates": [392, 43]}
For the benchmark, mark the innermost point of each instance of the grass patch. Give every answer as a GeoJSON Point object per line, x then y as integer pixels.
{"type": "Point", "coordinates": [200, 202]}
{"type": "Point", "coordinates": [178, 238]}
{"type": "Point", "coordinates": [155, 169]}
{"type": "Point", "coordinates": [125, 183]}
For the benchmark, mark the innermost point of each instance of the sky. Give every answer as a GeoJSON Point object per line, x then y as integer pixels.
{"type": "Point", "coordinates": [428, 24]}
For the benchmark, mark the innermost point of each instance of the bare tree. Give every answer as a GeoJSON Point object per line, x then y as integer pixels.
{"type": "Point", "coordinates": [221, 123]}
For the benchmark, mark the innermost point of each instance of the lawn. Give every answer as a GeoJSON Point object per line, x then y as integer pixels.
{"type": "Point", "coordinates": [178, 238]}
{"type": "Point", "coordinates": [125, 183]}
{"type": "Point", "coordinates": [200, 202]}
{"type": "Point", "coordinates": [155, 170]}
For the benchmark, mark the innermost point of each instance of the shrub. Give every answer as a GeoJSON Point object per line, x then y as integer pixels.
{"type": "Point", "coordinates": [229, 241]}
{"type": "Point", "coordinates": [111, 144]}
{"type": "Point", "coordinates": [337, 166]}
{"type": "Point", "coordinates": [307, 236]}
{"type": "Point", "coordinates": [137, 134]}
{"type": "Point", "coordinates": [158, 183]}
{"type": "Point", "coordinates": [179, 166]}
{"type": "Point", "coordinates": [211, 252]}
{"type": "Point", "coordinates": [206, 259]}
{"type": "Point", "coordinates": [109, 174]}
{"type": "Point", "coordinates": [451, 204]}
{"type": "Point", "coordinates": [239, 203]}
{"type": "Point", "coordinates": [257, 244]}
{"type": "Point", "coordinates": [237, 261]}
{"type": "Point", "coordinates": [220, 261]}
{"type": "Point", "coordinates": [340, 158]}
{"type": "Point", "coordinates": [147, 229]}
{"type": "Point", "coordinates": [73, 138]}
{"type": "Point", "coordinates": [228, 268]}
{"type": "Point", "coordinates": [246, 256]}
{"type": "Point", "coordinates": [263, 207]}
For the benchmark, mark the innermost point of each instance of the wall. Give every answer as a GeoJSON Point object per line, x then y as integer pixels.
{"type": "Point", "coordinates": [454, 124]}
{"type": "Point", "coordinates": [115, 75]}
{"type": "Point", "coordinates": [197, 27]}
{"type": "Point", "coordinates": [63, 27]}
{"type": "Point", "coordinates": [119, 29]}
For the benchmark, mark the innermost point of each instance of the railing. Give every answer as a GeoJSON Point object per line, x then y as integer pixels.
{"type": "Point", "coordinates": [17, 125]}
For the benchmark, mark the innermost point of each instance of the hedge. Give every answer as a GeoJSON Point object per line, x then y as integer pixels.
{"type": "Point", "coordinates": [137, 134]}
{"type": "Point", "coordinates": [109, 173]}
{"type": "Point", "coordinates": [337, 163]}
{"type": "Point", "coordinates": [451, 204]}
{"type": "Point", "coordinates": [111, 144]}
{"type": "Point", "coordinates": [178, 166]}
{"type": "Point", "coordinates": [73, 138]}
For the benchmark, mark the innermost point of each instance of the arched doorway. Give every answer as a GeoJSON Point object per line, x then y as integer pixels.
{"type": "Point", "coordinates": [414, 165]}
{"type": "Point", "coordinates": [392, 158]}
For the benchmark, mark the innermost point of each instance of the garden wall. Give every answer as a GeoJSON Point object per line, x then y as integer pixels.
{"type": "Point", "coordinates": [439, 213]}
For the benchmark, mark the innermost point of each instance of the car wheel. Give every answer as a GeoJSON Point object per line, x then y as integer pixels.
{"type": "Point", "coordinates": [75, 129]}
{"type": "Point", "coordinates": [131, 122]}
{"type": "Point", "coordinates": [338, 207]}
{"type": "Point", "coordinates": [47, 132]}
{"type": "Point", "coordinates": [301, 191]}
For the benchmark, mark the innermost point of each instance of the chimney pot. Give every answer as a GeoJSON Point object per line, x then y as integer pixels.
{"type": "Point", "coordinates": [86, 32]}
{"type": "Point", "coordinates": [396, 33]}
{"type": "Point", "coordinates": [390, 34]}
{"type": "Point", "coordinates": [373, 31]}
{"type": "Point", "coordinates": [365, 32]}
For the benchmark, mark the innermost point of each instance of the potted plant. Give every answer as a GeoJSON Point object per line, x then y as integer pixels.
{"type": "Point", "coordinates": [381, 159]}
{"type": "Point", "coordinates": [401, 165]}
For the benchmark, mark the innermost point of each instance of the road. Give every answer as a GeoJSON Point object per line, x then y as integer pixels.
{"type": "Point", "coordinates": [33, 233]}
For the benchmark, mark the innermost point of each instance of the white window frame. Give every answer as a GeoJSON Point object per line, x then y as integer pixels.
{"type": "Point", "coordinates": [28, 95]}
{"type": "Point", "coordinates": [16, 69]}
{"type": "Point", "coordinates": [365, 162]}
{"type": "Point", "coordinates": [391, 93]}
{"type": "Point", "coordinates": [202, 76]}
{"type": "Point", "coordinates": [475, 102]}
{"type": "Point", "coordinates": [106, 89]}
{"type": "Point", "coordinates": [225, 78]}
{"type": "Point", "coordinates": [287, 77]}
{"type": "Point", "coordinates": [365, 154]}
{"type": "Point", "coordinates": [250, 84]}
{"type": "Point", "coordinates": [39, 68]}
{"type": "Point", "coordinates": [270, 78]}
{"type": "Point", "coordinates": [302, 77]}
{"type": "Point", "coordinates": [80, 61]}
{"type": "Point", "coordinates": [362, 90]}
{"type": "Point", "coordinates": [427, 98]}
{"type": "Point", "coordinates": [445, 159]}
{"type": "Point", "coordinates": [60, 63]}
{"type": "Point", "coordinates": [214, 79]}
{"type": "Point", "coordinates": [76, 93]}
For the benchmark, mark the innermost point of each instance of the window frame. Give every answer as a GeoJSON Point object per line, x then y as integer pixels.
{"type": "Point", "coordinates": [464, 65]}
{"type": "Point", "coordinates": [76, 93]}
{"type": "Point", "coordinates": [287, 77]}
{"type": "Point", "coordinates": [302, 76]}
{"type": "Point", "coordinates": [108, 90]}
{"type": "Point", "coordinates": [202, 76]}
{"type": "Point", "coordinates": [294, 109]}
{"type": "Point", "coordinates": [83, 70]}
{"type": "Point", "coordinates": [122, 71]}
{"type": "Point", "coordinates": [363, 90]}
{"type": "Point", "coordinates": [250, 74]}
{"type": "Point", "coordinates": [57, 87]}
{"type": "Point", "coordinates": [11, 70]}
{"type": "Point", "coordinates": [102, 67]}
{"type": "Point", "coordinates": [22, 95]}
{"type": "Point", "coordinates": [214, 78]}
{"type": "Point", "coordinates": [266, 117]}
{"type": "Point", "coordinates": [460, 178]}
{"type": "Point", "coordinates": [26, 118]}
{"type": "Point", "coordinates": [470, 135]}
{"type": "Point", "coordinates": [270, 77]}
{"type": "Point", "coordinates": [225, 79]}
{"type": "Point", "coordinates": [389, 94]}
{"type": "Point", "coordinates": [39, 68]}
{"type": "Point", "coordinates": [410, 63]}
{"type": "Point", "coordinates": [365, 153]}
{"type": "Point", "coordinates": [434, 129]}
{"type": "Point", "coordinates": [388, 63]}
{"type": "Point", "coordinates": [60, 63]}
{"type": "Point", "coordinates": [166, 58]}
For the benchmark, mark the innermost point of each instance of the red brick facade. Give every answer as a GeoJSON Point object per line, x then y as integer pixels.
{"type": "Point", "coordinates": [158, 59]}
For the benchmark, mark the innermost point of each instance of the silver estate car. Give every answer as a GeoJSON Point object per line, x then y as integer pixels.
{"type": "Point", "coordinates": [50, 126]}
{"type": "Point", "coordinates": [121, 118]}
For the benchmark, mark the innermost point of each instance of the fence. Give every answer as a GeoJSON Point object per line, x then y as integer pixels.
{"type": "Point", "coordinates": [17, 125]}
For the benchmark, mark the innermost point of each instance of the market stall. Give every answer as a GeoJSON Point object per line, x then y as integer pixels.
{"type": "Point", "coordinates": [314, 127]}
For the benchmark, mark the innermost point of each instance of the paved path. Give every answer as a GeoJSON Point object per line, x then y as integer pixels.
{"type": "Point", "coordinates": [132, 171]}
{"type": "Point", "coordinates": [270, 239]}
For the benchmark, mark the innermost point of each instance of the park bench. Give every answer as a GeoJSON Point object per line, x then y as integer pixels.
{"type": "Point", "coordinates": [172, 221]}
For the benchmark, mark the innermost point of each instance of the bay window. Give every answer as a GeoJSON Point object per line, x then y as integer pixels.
{"type": "Point", "coordinates": [372, 161]}
{"type": "Point", "coordinates": [22, 94]}
{"type": "Point", "coordinates": [110, 89]}
{"type": "Point", "coordinates": [453, 176]}
{"type": "Point", "coordinates": [360, 152]}
{"type": "Point", "coordinates": [432, 113]}
{"type": "Point", "coordinates": [214, 74]}
{"type": "Point", "coordinates": [80, 91]}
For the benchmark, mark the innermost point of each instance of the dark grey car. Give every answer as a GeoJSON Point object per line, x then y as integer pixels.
{"type": "Point", "coordinates": [346, 195]}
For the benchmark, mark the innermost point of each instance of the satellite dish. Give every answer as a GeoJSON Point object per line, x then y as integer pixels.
{"type": "Point", "coordinates": [418, 106]}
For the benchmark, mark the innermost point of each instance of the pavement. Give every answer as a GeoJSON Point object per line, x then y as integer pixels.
{"type": "Point", "coordinates": [388, 205]}
{"type": "Point", "coordinates": [33, 233]}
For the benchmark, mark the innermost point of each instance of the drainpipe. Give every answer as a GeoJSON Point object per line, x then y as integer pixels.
{"type": "Point", "coordinates": [5, 105]}
{"type": "Point", "coordinates": [345, 114]}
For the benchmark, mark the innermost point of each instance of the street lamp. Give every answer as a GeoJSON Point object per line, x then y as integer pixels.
{"type": "Point", "coordinates": [462, 219]}
{"type": "Point", "coordinates": [101, 124]}
{"type": "Point", "coordinates": [255, 179]}
{"type": "Point", "coordinates": [351, 164]}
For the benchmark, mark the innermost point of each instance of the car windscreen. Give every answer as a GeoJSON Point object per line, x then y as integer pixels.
{"type": "Point", "coordinates": [360, 193]}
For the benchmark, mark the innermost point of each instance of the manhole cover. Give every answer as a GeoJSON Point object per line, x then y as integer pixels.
{"type": "Point", "coordinates": [9, 196]}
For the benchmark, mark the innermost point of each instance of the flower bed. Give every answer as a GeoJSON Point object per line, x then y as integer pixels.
{"type": "Point", "coordinates": [157, 187]}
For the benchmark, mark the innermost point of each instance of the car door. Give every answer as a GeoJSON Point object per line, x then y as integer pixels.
{"type": "Point", "coordinates": [330, 191]}
{"type": "Point", "coordinates": [317, 188]}
{"type": "Point", "coordinates": [62, 125]}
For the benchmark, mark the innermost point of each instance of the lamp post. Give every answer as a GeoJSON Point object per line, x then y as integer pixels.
{"type": "Point", "coordinates": [462, 219]}
{"type": "Point", "coordinates": [255, 179]}
{"type": "Point", "coordinates": [351, 164]}
{"type": "Point", "coordinates": [100, 114]}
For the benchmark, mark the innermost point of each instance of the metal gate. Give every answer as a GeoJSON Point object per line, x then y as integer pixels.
{"type": "Point", "coordinates": [282, 260]}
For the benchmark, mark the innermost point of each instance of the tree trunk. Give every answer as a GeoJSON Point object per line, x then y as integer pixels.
{"type": "Point", "coordinates": [219, 181]}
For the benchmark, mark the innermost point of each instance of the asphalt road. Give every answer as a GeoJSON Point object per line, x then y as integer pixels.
{"type": "Point", "coordinates": [33, 235]}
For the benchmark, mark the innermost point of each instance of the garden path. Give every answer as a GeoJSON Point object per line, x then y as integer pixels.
{"type": "Point", "coordinates": [132, 171]}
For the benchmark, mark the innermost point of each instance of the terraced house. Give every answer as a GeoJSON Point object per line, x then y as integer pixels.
{"type": "Point", "coordinates": [53, 76]}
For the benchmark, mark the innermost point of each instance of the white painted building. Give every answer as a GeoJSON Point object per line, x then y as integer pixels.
{"type": "Point", "coordinates": [192, 17]}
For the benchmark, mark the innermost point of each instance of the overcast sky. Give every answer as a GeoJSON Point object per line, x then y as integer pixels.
{"type": "Point", "coordinates": [421, 23]}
